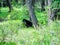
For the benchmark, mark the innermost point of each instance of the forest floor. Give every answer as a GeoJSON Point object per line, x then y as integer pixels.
{"type": "Point", "coordinates": [13, 32]}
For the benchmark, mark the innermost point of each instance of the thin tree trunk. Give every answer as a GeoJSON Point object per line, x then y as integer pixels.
{"type": "Point", "coordinates": [2, 3]}
{"type": "Point", "coordinates": [42, 2]}
{"type": "Point", "coordinates": [46, 2]}
{"type": "Point", "coordinates": [16, 1]}
{"type": "Point", "coordinates": [50, 12]}
{"type": "Point", "coordinates": [23, 2]}
{"type": "Point", "coordinates": [9, 5]}
{"type": "Point", "coordinates": [32, 13]}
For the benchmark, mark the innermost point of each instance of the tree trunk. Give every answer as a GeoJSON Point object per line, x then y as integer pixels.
{"type": "Point", "coordinates": [16, 1]}
{"type": "Point", "coordinates": [9, 5]}
{"type": "Point", "coordinates": [23, 2]}
{"type": "Point", "coordinates": [32, 13]}
{"type": "Point", "coordinates": [33, 2]}
{"type": "Point", "coordinates": [50, 12]}
{"type": "Point", "coordinates": [46, 2]}
{"type": "Point", "coordinates": [42, 2]}
{"type": "Point", "coordinates": [1, 3]}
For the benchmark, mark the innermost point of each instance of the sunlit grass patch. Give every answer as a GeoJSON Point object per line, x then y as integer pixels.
{"type": "Point", "coordinates": [4, 9]}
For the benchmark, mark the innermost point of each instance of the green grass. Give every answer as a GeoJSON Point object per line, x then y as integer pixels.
{"type": "Point", "coordinates": [15, 33]}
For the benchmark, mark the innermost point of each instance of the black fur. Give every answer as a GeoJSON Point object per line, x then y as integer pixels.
{"type": "Point", "coordinates": [27, 23]}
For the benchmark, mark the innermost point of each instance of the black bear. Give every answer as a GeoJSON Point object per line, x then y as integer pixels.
{"type": "Point", "coordinates": [27, 23]}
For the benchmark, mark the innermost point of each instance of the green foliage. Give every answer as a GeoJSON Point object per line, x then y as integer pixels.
{"type": "Point", "coordinates": [56, 4]}
{"type": "Point", "coordinates": [58, 13]}
{"type": "Point", "coordinates": [19, 14]}
{"type": "Point", "coordinates": [13, 32]}
{"type": "Point", "coordinates": [42, 17]}
{"type": "Point", "coordinates": [7, 43]}
{"type": "Point", "coordinates": [29, 36]}
{"type": "Point", "coordinates": [4, 12]}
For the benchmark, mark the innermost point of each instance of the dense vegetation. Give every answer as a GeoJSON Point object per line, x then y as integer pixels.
{"type": "Point", "coordinates": [14, 32]}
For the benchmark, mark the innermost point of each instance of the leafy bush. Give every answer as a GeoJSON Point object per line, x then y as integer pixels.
{"type": "Point", "coordinates": [19, 14]}
{"type": "Point", "coordinates": [42, 17]}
